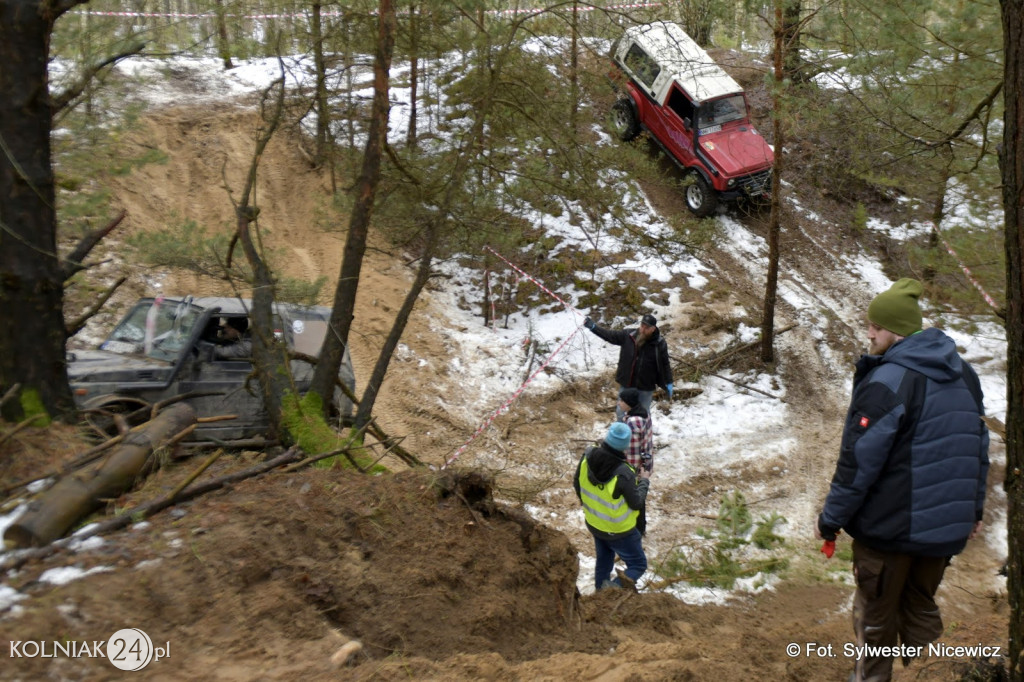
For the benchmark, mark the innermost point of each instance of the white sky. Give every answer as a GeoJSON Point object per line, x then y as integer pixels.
{"type": "Point", "coordinates": [701, 434]}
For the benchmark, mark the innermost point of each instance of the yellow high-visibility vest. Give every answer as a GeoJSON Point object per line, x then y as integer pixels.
{"type": "Point", "coordinates": [601, 510]}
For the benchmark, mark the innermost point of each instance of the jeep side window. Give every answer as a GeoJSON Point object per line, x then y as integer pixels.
{"type": "Point", "coordinates": [681, 104]}
{"type": "Point", "coordinates": [642, 66]}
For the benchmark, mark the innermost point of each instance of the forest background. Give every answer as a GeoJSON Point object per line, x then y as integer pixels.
{"type": "Point", "coordinates": [905, 100]}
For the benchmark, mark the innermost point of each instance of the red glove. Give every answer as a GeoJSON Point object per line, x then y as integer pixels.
{"type": "Point", "coordinates": [828, 548]}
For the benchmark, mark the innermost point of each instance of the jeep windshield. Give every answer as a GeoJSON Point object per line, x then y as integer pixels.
{"type": "Point", "coordinates": [720, 111]}
{"type": "Point", "coordinates": [157, 328]}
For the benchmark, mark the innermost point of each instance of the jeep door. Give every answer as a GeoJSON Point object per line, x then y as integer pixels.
{"type": "Point", "coordinates": [235, 388]}
{"type": "Point", "coordinates": [676, 124]}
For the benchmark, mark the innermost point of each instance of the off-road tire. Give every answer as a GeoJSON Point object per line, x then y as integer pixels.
{"type": "Point", "coordinates": [700, 196]}
{"type": "Point", "coordinates": [623, 121]}
{"type": "Point", "coordinates": [99, 413]}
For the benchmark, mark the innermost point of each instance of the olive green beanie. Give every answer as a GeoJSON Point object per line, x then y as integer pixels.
{"type": "Point", "coordinates": [896, 308]}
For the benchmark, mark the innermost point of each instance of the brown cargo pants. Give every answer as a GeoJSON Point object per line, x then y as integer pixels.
{"type": "Point", "coordinates": [894, 605]}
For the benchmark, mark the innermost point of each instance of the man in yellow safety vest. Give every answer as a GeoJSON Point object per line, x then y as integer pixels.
{"type": "Point", "coordinates": [612, 494]}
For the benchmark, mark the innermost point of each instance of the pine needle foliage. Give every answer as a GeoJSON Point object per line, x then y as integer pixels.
{"type": "Point", "coordinates": [736, 548]}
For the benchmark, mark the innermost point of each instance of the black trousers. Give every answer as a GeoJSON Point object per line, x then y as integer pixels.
{"type": "Point", "coordinates": [894, 605]}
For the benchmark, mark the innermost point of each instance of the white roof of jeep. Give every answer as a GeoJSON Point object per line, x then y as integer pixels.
{"type": "Point", "coordinates": [683, 60]}
{"type": "Point", "coordinates": [230, 305]}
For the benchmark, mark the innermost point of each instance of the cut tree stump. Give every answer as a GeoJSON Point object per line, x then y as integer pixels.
{"type": "Point", "coordinates": [76, 496]}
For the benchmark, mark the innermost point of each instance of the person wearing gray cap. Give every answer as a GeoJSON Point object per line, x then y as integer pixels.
{"type": "Point", "coordinates": [643, 358]}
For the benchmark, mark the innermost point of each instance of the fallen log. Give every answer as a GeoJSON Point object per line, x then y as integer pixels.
{"type": "Point", "coordinates": [78, 495]}
{"type": "Point", "coordinates": [18, 559]}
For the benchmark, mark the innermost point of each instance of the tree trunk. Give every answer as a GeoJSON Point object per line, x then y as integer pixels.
{"type": "Point", "coordinates": [772, 282]}
{"type": "Point", "coordinates": [414, 74]}
{"type": "Point", "coordinates": [269, 355]}
{"type": "Point", "coordinates": [398, 327]}
{"type": "Point", "coordinates": [31, 281]}
{"type": "Point", "coordinates": [462, 166]}
{"type": "Point", "coordinates": [1012, 167]}
{"type": "Point", "coordinates": [791, 29]}
{"type": "Point", "coordinates": [348, 65]}
{"type": "Point", "coordinates": [223, 44]}
{"type": "Point", "coordinates": [323, 109]}
{"type": "Point", "coordinates": [938, 212]}
{"type": "Point", "coordinates": [359, 225]}
{"type": "Point", "coordinates": [78, 495]}
{"type": "Point", "coordinates": [574, 86]}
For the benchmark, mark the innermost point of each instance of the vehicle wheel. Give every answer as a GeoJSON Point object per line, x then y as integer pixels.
{"type": "Point", "coordinates": [700, 196]}
{"type": "Point", "coordinates": [623, 120]}
{"type": "Point", "coordinates": [103, 414]}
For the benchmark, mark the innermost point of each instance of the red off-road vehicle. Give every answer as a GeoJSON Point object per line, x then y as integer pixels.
{"type": "Point", "coordinates": [691, 107]}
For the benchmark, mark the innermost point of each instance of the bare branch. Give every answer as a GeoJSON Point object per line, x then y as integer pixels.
{"type": "Point", "coordinates": [73, 262]}
{"type": "Point", "coordinates": [20, 427]}
{"type": "Point", "coordinates": [983, 105]}
{"type": "Point", "coordinates": [9, 395]}
{"type": "Point", "coordinates": [62, 100]}
{"type": "Point", "coordinates": [75, 326]}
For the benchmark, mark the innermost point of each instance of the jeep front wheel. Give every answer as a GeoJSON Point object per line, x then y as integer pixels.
{"type": "Point", "coordinates": [108, 414]}
{"type": "Point", "coordinates": [623, 120]}
{"type": "Point", "coordinates": [700, 196]}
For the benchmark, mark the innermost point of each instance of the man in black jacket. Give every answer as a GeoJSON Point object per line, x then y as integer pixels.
{"type": "Point", "coordinates": [643, 358]}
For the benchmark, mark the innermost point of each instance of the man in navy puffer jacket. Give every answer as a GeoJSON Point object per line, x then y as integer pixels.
{"type": "Point", "coordinates": [909, 487]}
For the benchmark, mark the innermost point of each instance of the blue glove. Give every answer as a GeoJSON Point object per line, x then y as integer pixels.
{"type": "Point", "coordinates": [668, 389]}
{"type": "Point", "coordinates": [589, 324]}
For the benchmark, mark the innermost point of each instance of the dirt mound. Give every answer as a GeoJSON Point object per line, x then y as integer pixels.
{"type": "Point", "coordinates": [412, 565]}
{"type": "Point", "coordinates": [272, 577]}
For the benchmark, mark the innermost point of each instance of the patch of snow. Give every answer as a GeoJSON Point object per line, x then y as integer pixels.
{"type": "Point", "coordinates": [65, 574]}
{"type": "Point", "coordinates": [9, 597]}
{"type": "Point", "coordinates": [91, 542]}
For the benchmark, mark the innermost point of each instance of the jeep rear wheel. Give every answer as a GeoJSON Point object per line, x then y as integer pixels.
{"type": "Point", "coordinates": [700, 196]}
{"type": "Point", "coordinates": [623, 120]}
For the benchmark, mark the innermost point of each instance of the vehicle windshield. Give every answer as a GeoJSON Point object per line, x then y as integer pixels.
{"type": "Point", "coordinates": [719, 111]}
{"type": "Point", "coordinates": [157, 329]}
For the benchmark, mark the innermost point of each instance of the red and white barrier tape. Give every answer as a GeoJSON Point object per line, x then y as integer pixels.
{"type": "Point", "coordinates": [967, 271]}
{"type": "Point", "coordinates": [504, 406]}
{"type": "Point", "coordinates": [209, 15]}
{"type": "Point", "coordinates": [534, 280]}
{"type": "Point", "coordinates": [589, 8]}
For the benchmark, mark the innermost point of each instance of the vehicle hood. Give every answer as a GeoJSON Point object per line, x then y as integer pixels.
{"type": "Point", "coordinates": [101, 365]}
{"type": "Point", "coordinates": [738, 151]}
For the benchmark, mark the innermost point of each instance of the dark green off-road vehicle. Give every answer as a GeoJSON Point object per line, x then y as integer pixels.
{"type": "Point", "coordinates": [166, 347]}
